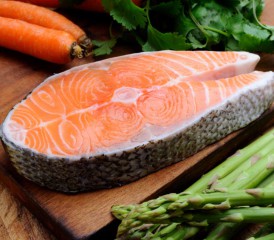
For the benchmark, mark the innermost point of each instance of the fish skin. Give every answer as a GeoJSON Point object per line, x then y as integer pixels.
{"type": "Point", "coordinates": [107, 171]}
{"type": "Point", "coordinates": [122, 167]}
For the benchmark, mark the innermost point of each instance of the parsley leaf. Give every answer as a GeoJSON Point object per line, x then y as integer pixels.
{"type": "Point", "coordinates": [126, 13]}
{"type": "Point", "coordinates": [192, 24]}
{"type": "Point", "coordinates": [249, 36]}
{"type": "Point", "coordinates": [103, 47]}
{"type": "Point", "coordinates": [160, 41]}
{"type": "Point", "coordinates": [170, 8]}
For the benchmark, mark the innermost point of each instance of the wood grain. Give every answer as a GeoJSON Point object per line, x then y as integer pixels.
{"type": "Point", "coordinates": [83, 215]}
{"type": "Point", "coordinates": [87, 215]}
{"type": "Point", "coordinates": [16, 222]}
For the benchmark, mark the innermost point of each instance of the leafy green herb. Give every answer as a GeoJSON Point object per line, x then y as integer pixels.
{"type": "Point", "coordinates": [103, 47]}
{"type": "Point", "coordinates": [126, 13]}
{"type": "Point", "coordinates": [190, 25]}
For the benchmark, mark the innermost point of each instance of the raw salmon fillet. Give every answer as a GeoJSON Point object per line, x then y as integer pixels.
{"type": "Point", "coordinates": [114, 121]}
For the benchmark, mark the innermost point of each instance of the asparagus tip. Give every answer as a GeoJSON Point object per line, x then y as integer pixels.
{"type": "Point", "coordinates": [221, 189]}
{"type": "Point", "coordinates": [255, 192]}
{"type": "Point", "coordinates": [235, 217]}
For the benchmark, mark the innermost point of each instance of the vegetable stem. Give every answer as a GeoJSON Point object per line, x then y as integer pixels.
{"type": "Point", "coordinates": [180, 207]}
{"type": "Point", "coordinates": [216, 30]}
{"type": "Point", "coordinates": [266, 237]}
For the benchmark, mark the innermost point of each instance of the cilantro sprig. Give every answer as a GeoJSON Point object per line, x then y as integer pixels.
{"type": "Point", "coordinates": [190, 25]}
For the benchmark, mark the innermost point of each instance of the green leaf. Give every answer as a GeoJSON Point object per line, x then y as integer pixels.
{"type": "Point", "coordinates": [193, 24]}
{"type": "Point", "coordinates": [103, 47]}
{"type": "Point", "coordinates": [231, 3]}
{"type": "Point", "coordinates": [163, 15]}
{"type": "Point", "coordinates": [244, 6]}
{"type": "Point", "coordinates": [247, 8]}
{"type": "Point", "coordinates": [184, 25]}
{"type": "Point", "coordinates": [249, 36]}
{"type": "Point", "coordinates": [161, 41]}
{"type": "Point", "coordinates": [232, 45]}
{"type": "Point", "coordinates": [126, 13]}
{"type": "Point", "coordinates": [171, 8]}
{"type": "Point", "coordinates": [197, 42]}
{"type": "Point", "coordinates": [212, 14]}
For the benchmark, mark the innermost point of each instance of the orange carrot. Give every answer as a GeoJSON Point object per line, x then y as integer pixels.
{"type": "Point", "coordinates": [89, 5]}
{"type": "Point", "coordinates": [44, 3]}
{"type": "Point", "coordinates": [43, 17]}
{"type": "Point", "coordinates": [48, 44]}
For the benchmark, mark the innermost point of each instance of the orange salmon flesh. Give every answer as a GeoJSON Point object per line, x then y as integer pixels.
{"type": "Point", "coordinates": [127, 101]}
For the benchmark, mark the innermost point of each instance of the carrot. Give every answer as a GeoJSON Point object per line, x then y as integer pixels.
{"type": "Point", "coordinates": [48, 44]}
{"type": "Point", "coordinates": [39, 16]}
{"type": "Point", "coordinates": [89, 5]}
{"type": "Point", "coordinates": [43, 17]}
{"type": "Point", "coordinates": [43, 3]}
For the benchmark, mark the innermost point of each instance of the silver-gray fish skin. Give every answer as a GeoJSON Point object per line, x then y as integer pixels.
{"type": "Point", "coordinates": [107, 171]}
{"type": "Point", "coordinates": [122, 167]}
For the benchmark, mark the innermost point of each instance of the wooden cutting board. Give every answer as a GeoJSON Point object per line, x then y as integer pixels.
{"type": "Point", "coordinates": [87, 215]}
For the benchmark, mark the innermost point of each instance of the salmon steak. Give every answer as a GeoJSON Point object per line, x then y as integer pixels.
{"type": "Point", "coordinates": [111, 122]}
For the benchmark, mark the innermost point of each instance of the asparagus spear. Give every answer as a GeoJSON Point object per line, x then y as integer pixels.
{"type": "Point", "coordinates": [217, 200]}
{"type": "Point", "coordinates": [266, 237]}
{"type": "Point", "coordinates": [268, 182]}
{"type": "Point", "coordinates": [235, 215]}
{"type": "Point", "coordinates": [258, 173]}
{"type": "Point", "coordinates": [258, 160]}
{"type": "Point", "coordinates": [121, 211]}
{"type": "Point", "coordinates": [259, 148]}
{"type": "Point", "coordinates": [264, 232]}
{"type": "Point", "coordinates": [238, 215]}
{"type": "Point", "coordinates": [178, 209]}
{"type": "Point", "coordinates": [173, 231]}
{"type": "Point", "coordinates": [225, 231]}
{"type": "Point", "coordinates": [255, 174]}
{"type": "Point", "coordinates": [205, 182]}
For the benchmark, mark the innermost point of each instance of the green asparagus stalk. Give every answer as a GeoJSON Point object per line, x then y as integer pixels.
{"type": "Point", "coordinates": [121, 211]}
{"type": "Point", "coordinates": [258, 159]}
{"type": "Point", "coordinates": [264, 230]}
{"type": "Point", "coordinates": [258, 173]}
{"type": "Point", "coordinates": [255, 174]}
{"type": "Point", "coordinates": [257, 147]}
{"type": "Point", "coordinates": [266, 237]}
{"type": "Point", "coordinates": [129, 214]}
{"type": "Point", "coordinates": [173, 231]}
{"type": "Point", "coordinates": [268, 182]}
{"type": "Point", "coordinates": [208, 201]}
{"type": "Point", "coordinates": [235, 215]}
{"type": "Point", "coordinates": [219, 200]}
{"type": "Point", "coordinates": [231, 164]}
{"type": "Point", "coordinates": [225, 231]}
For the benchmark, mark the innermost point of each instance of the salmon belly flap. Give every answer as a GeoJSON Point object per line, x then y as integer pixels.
{"type": "Point", "coordinates": [111, 122]}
